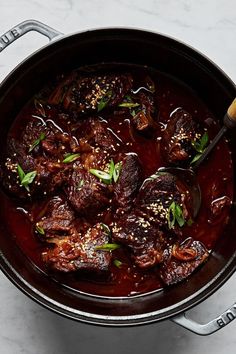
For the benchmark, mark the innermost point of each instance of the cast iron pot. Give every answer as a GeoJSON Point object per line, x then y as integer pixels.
{"type": "Point", "coordinates": [123, 46]}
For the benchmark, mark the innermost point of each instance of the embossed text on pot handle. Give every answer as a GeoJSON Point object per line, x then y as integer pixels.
{"type": "Point", "coordinates": [210, 327]}
{"type": "Point", "coordinates": [25, 27]}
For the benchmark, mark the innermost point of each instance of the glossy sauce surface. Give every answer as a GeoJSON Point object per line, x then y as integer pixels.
{"type": "Point", "coordinates": [214, 177]}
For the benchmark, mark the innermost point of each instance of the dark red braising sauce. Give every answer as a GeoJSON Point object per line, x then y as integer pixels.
{"type": "Point", "coordinates": [214, 176]}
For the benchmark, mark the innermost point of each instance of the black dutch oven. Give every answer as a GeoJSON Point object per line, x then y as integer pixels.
{"type": "Point", "coordinates": [123, 46]}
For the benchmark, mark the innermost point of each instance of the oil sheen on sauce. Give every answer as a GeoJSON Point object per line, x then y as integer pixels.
{"type": "Point", "coordinates": [213, 175]}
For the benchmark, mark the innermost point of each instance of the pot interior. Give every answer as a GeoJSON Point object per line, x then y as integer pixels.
{"type": "Point", "coordinates": [132, 47]}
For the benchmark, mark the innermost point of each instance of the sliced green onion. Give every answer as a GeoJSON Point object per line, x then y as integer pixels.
{"type": "Point", "coordinates": [171, 215]}
{"type": "Point", "coordinates": [196, 158]}
{"type": "Point", "coordinates": [108, 247]}
{"type": "Point", "coordinates": [103, 176]}
{"type": "Point", "coordinates": [190, 222]}
{"type": "Point", "coordinates": [116, 171]}
{"type": "Point", "coordinates": [175, 214]}
{"type": "Point", "coordinates": [199, 146]}
{"type": "Point", "coordinates": [112, 174]}
{"type": "Point", "coordinates": [111, 168]}
{"type": "Point", "coordinates": [128, 104]}
{"type": "Point", "coordinates": [37, 141]}
{"type": "Point", "coordinates": [106, 228]}
{"type": "Point", "coordinates": [117, 263]}
{"type": "Point", "coordinates": [40, 230]}
{"type": "Point", "coordinates": [20, 171]}
{"type": "Point", "coordinates": [104, 100]}
{"type": "Point", "coordinates": [26, 178]}
{"type": "Point", "coordinates": [80, 184]}
{"type": "Point", "coordinates": [179, 215]}
{"type": "Point", "coordinates": [71, 158]}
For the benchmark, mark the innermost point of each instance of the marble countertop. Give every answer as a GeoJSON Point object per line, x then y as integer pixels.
{"type": "Point", "coordinates": [207, 25]}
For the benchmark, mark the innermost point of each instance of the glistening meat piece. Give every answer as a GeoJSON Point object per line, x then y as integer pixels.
{"type": "Point", "coordinates": [95, 133]}
{"type": "Point", "coordinates": [97, 143]}
{"type": "Point", "coordinates": [146, 230]}
{"type": "Point", "coordinates": [128, 183]}
{"type": "Point", "coordinates": [58, 219]}
{"type": "Point", "coordinates": [99, 135]}
{"type": "Point", "coordinates": [143, 115]}
{"type": "Point", "coordinates": [180, 260]}
{"type": "Point", "coordinates": [40, 153]}
{"type": "Point", "coordinates": [46, 174]}
{"type": "Point", "coordinates": [146, 243]}
{"type": "Point", "coordinates": [157, 194]}
{"type": "Point", "coordinates": [85, 192]}
{"type": "Point", "coordinates": [218, 205]}
{"type": "Point", "coordinates": [79, 251]}
{"type": "Point", "coordinates": [91, 93]}
{"type": "Point", "coordinates": [46, 138]}
{"type": "Point", "coordinates": [16, 154]}
{"type": "Point", "coordinates": [220, 202]}
{"type": "Point", "coordinates": [178, 137]}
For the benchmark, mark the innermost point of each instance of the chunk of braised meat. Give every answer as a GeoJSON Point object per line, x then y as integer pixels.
{"type": "Point", "coordinates": [51, 140]}
{"type": "Point", "coordinates": [218, 205]}
{"type": "Point", "coordinates": [41, 150]}
{"type": "Point", "coordinates": [59, 219]}
{"type": "Point", "coordinates": [79, 251]}
{"type": "Point", "coordinates": [97, 143]}
{"type": "Point", "coordinates": [146, 231]}
{"type": "Point", "coordinates": [157, 194]}
{"type": "Point", "coordinates": [140, 105]}
{"type": "Point", "coordinates": [146, 243]}
{"type": "Point", "coordinates": [49, 174]}
{"type": "Point", "coordinates": [9, 176]}
{"type": "Point", "coordinates": [91, 93]}
{"type": "Point", "coordinates": [128, 183]}
{"type": "Point", "coordinates": [181, 260]}
{"type": "Point", "coordinates": [99, 135]}
{"type": "Point", "coordinates": [85, 192]}
{"type": "Point", "coordinates": [219, 200]}
{"type": "Point", "coordinates": [143, 115]}
{"type": "Point", "coordinates": [178, 137]}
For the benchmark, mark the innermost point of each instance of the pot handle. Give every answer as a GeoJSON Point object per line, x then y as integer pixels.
{"type": "Point", "coordinates": [25, 27]}
{"type": "Point", "coordinates": [205, 329]}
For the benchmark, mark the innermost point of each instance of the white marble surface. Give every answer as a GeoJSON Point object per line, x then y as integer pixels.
{"type": "Point", "coordinates": [208, 25]}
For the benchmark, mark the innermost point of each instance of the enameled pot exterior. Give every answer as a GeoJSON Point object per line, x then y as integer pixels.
{"type": "Point", "coordinates": [123, 46]}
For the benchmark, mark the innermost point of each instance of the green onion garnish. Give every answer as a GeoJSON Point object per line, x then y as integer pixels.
{"type": "Point", "coordinates": [71, 158]}
{"type": "Point", "coordinates": [175, 214]}
{"type": "Point", "coordinates": [112, 174]}
{"type": "Point", "coordinates": [103, 176]}
{"type": "Point", "coordinates": [104, 100]}
{"type": "Point", "coordinates": [40, 230]}
{"type": "Point", "coordinates": [80, 184]}
{"type": "Point", "coordinates": [106, 229]}
{"type": "Point", "coordinates": [117, 263]}
{"type": "Point", "coordinates": [108, 247]}
{"type": "Point", "coordinates": [37, 141]}
{"type": "Point", "coordinates": [199, 146]}
{"type": "Point", "coordinates": [129, 104]}
{"type": "Point", "coordinates": [26, 178]}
